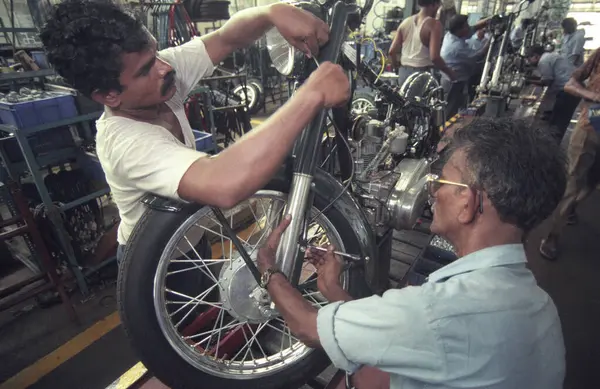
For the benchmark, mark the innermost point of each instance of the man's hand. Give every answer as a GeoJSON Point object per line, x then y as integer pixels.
{"type": "Point", "coordinates": [329, 267]}
{"type": "Point", "coordinates": [267, 253]}
{"type": "Point", "coordinates": [300, 28]}
{"type": "Point", "coordinates": [331, 82]}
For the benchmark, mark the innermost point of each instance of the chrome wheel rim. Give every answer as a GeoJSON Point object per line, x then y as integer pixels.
{"type": "Point", "coordinates": [258, 357]}
{"type": "Point", "coordinates": [361, 106]}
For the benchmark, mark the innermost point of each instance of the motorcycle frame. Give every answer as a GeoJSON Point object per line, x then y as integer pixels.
{"type": "Point", "coordinates": [495, 78]}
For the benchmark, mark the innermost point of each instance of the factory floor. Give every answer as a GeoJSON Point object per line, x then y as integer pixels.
{"type": "Point", "coordinates": [43, 349]}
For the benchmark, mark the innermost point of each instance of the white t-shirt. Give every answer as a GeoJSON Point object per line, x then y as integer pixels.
{"type": "Point", "coordinates": [139, 158]}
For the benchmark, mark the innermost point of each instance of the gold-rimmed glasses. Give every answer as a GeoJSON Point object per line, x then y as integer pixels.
{"type": "Point", "coordinates": [434, 182]}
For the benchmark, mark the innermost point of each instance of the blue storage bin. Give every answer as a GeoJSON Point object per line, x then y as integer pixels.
{"type": "Point", "coordinates": [39, 57]}
{"type": "Point", "coordinates": [33, 113]}
{"type": "Point", "coordinates": [204, 140]}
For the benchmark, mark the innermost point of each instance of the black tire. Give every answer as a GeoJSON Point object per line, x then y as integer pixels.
{"type": "Point", "coordinates": [136, 305]}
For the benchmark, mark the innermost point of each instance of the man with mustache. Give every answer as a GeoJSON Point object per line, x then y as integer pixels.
{"type": "Point", "coordinates": [144, 140]}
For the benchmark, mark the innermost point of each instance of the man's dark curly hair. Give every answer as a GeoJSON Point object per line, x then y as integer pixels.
{"type": "Point", "coordinates": [518, 164]}
{"type": "Point", "coordinates": [85, 40]}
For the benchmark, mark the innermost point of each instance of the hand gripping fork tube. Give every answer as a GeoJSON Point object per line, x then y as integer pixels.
{"type": "Point", "coordinates": [305, 162]}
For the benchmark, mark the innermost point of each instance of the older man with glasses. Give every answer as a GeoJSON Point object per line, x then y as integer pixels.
{"type": "Point", "coordinates": [481, 321]}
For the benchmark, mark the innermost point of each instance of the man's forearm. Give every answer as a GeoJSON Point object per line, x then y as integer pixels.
{"type": "Point", "coordinates": [245, 27]}
{"type": "Point", "coordinates": [440, 64]}
{"type": "Point", "coordinates": [299, 314]}
{"type": "Point", "coordinates": [575, 88]}
{"type": "Point", "coordinates": [246, 166]}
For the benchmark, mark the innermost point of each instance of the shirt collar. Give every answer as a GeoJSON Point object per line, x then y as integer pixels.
{"type": "Point", "coordinates": [503, 255]}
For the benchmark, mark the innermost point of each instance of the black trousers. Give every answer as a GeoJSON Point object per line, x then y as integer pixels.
{"type": "Point", "coordinates": [562, 113]}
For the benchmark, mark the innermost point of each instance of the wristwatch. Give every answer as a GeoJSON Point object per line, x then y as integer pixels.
{"type": "Point", "coordinates": [266, 276]}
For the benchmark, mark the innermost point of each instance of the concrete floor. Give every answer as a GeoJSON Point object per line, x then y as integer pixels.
{"type": "Point", "coordinates": [571, 281]}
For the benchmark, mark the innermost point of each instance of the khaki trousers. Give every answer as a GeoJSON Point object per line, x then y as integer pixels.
{"type": "Point", "coordinates": [583, 173]}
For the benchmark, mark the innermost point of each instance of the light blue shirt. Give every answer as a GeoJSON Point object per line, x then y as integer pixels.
{"type": "Point", "coordinates": [480, 322]}
{"type": "Point", "coordinates": [460, 56]}
{"type": "Point", "coordinates": [557, 69]}
{"type": "Point", "coordinates": [572, 47]}
{"type": "Point", "coordinates": [516, 36]}
{"type": "Point", "coordinates": [477, 44]}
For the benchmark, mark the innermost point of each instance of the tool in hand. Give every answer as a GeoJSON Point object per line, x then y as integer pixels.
{"type": "Point", "coordinates": [350, 256]}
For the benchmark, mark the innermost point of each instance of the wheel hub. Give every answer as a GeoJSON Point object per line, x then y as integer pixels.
{"type": "Point", "coordinates": [241, 296]}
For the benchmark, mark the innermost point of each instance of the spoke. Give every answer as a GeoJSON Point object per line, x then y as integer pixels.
{"type": "Point", "coordinates": [248, 349]}
{"type": "Point", "coordinates": [284, 334]}
{"type": "Point", "coordinates": [233, 328]}
{"type": "Point", "coordinates": [219, 337]}
{"type": "Point", "coordinates": [318, 304]}
{"type": "Point", "coordinates": [206, 262]}
{"type": "Point", "coordinates": [260, 328]}
{"type": "Point", "coordinates": [220, 315]}
{"type": "Point", "coordinates": [231, 324]}
{"type": "Point", "coordinates": [209, 274]}
{"type": "Point", "coordinates": [259, 346]}
{"type": "Point", "coordinates": [192, 299]}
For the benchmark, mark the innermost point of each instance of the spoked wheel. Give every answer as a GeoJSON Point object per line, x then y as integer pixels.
{"type": "Point", "coordinates": [195, 313]}
{"type": "Point", "coordinates": [250, 95]}
{"type": "Point", "coordinates": [362, 102]}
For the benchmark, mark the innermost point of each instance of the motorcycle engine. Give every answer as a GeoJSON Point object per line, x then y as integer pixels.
{"type": "Point", "coordinates": [389, 184]}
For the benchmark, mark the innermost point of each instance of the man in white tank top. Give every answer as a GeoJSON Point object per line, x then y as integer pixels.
{"type": "Point", "coordinates": [419, 40]}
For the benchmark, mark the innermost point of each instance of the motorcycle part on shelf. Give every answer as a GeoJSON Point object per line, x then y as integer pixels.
{"type": "Point", "coordinates": [84, 223]}
{"type": "Point", "coordinates": [167, 355]}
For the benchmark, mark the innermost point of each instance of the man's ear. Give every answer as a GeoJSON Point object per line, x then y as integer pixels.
{"type": "Point", "coordinates": [111, 99]}
{"type": "Point", "coordinates": [469, 206]}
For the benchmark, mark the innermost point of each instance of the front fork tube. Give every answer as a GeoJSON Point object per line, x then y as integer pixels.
{"type": "Point", "coordinates": [298, 203]}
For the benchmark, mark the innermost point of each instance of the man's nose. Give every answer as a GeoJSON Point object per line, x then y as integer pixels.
{"type": "Point", "coordinates": [164, 68]}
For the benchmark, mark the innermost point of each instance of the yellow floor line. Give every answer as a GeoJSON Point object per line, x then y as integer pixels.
{"type": "Point", "coordinates": [130, 377]}
{"type": "Point", "coordinates": [39, 369]}
{"type": "Point", "coordinates": [50, 362]}
{"type": "Point", "coordinates": [256, 122]}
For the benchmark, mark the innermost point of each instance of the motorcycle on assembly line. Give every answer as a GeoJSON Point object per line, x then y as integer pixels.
{"type": "Point", "coordinates": [188, 287]}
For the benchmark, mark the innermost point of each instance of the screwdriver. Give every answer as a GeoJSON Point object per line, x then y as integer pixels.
{"type": "Point", "coordinates": [323, 249]}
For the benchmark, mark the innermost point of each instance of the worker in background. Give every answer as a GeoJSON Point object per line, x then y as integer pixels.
{"type": "Point", "coordinates": [572, 41]}
{"type": "Point", "coordinates": [583, 152]}
{"type": "Point", "coordinates": [555, 71]}
{"type": "Point", "coordinates": [480, 40]}
{"type": "Point", "coordinates": [418, 41]}
{"type": "Point", "coordinates": [464, 61]}
{"type": "Point", "coordinates": [144, 140]}
{"type": "Point", "coordinates": [480, 322]}
{"type": "Point", "coordinates": [517, 35]}
{"type": "Point", "coordinates": [445, 13]}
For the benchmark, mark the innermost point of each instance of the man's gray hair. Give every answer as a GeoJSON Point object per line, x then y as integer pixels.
{"type": "Point", "coordinates": [518, 164]}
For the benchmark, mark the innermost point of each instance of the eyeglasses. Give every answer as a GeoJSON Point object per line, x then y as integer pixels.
{"type": "Point", "coordinates": [434, 182]}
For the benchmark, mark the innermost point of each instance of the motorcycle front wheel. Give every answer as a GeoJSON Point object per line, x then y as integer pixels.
{"type": "Point", "coordinates": [192, 310]}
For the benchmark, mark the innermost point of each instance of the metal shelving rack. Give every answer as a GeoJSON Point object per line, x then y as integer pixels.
{"type": "Point", "coordinates": [35, 165]}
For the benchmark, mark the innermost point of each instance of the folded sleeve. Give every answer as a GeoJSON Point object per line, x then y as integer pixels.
{"type": "Point", "coordinates": [150, 158]}
{"type": "Point", "coordinates": [191, 63]}
{"type": "Point", "coordinates": [392, 332]}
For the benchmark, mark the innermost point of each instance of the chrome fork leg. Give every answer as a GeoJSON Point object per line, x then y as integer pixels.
{"type": "Point", "coordinates": [297, 203]}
